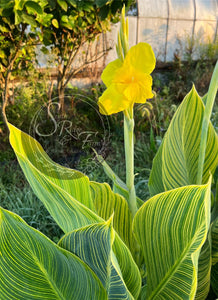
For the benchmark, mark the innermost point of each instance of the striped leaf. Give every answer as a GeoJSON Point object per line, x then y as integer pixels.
{"type": "Point", "coordinates": [33, 267]}
{"type": "Point", "coordinates": [214, 238]}
{"type": "Point", "coordinates": [176, 161]}
{"type": "Point", "coordinates": [67, 195]}
{"type": "Point", "coordinates": [204, 270]}
{"type": "Point", "coordinates": [214, 278]}
{"type": "Point", "coordinates": [106, 203]}
{"type": "Point", "coordinates": [214, 270]}
{"type": "Point", "coordinates": [93, 244]}
{"type": "Point", "coordinates": [171, 228]}
{"type": "Point", "coordinates": [128, 267]}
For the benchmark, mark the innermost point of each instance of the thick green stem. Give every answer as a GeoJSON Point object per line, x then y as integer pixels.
{"type": "Point", "coordinates": [129, 155]}
{"type": "Point", "coordinates": [206, 119]}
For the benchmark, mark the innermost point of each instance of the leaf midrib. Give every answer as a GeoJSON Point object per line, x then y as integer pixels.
{"type": "Point", "coordinates": [175, 266]}
{"type": "Point", "coordinates": [48, 278]}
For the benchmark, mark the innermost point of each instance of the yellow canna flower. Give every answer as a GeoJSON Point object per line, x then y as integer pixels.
{"type": "Point", "coordinates": [128, 82]}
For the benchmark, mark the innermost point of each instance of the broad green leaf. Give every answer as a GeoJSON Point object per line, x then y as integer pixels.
{"type": "Point", "coordinates": [214, 278]}
{"type": "Point", "coordinates": [128, 267]}
{"type": "Point", "coordinates": [33, 267]}
{"type": "Point", "coordinates": [44, 50]}
{"type": "Point", "coordinates": [63, 4]}
{"type": "Point", "coordinates": [214, 269]}
{"type": "Point", "coordinates": [204, 270]}
{"type": "Point", "coordinates": [66, 193]}
{"type": "Point", "coordinates": [67, 25]}
{"type": "Point", "coordinates": [104, 12]}
{"type": "Point", "coordinates": [171, 228]}
{"type": "Point", "coordinates": [143, 292]}
{"type": "Point", "coordinates": [73, 182]}
{"type": "Point", "coordinates": [176, 161]}
{"type": "Point", "coordinates": [214, 238]}
{"type": "Point", "coordinates": [204, 99]}
{"type": "Point", "coordinates": [93, 244]}
{"type": "Point", "coordinates": [65, 22]}
{"type": "Point", "coordinates": [33, 7]}
{"type": "Point", "coordinates": [106, 203]}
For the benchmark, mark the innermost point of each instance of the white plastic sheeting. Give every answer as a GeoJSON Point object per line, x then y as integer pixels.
{"type": "Point", "coordinates": [168, 25]}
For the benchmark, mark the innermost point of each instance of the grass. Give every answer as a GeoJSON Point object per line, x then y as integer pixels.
{"type": "Point", "coordinates": [17, 196]}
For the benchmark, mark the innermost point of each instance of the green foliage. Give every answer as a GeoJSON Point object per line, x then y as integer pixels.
{"type": "Point", "coordinates": [24, 202]}
{"type": "Point", "coordinates": [18, 35]}
{"type": "Point", "coordinates": [63, 25]}
{"type": "Point", "coordinates": [15, 39]}
{"type": "Point", "coordinates": [176, 162]}
{"type": "Point", "coordinates": [93, 244]}
{"type": "Point", "coordinates": [68, 191]}
{"type": "Point", "coordinates": [160, 225]}
{"type": "Point", "coordinates": [44, 266]}
{"type": "Point", "coordinates": [74, 25]}
{"type": "Point", "coordinates": [171, 228]}
{"type": "Point", "coordinates": [196, 66]}
{"type": "Point", "coordinates": [168, 249]}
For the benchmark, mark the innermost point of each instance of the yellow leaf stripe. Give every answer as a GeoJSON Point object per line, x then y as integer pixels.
{"type": "Point", "coordinates": [107, 203]}
{"type": "Point", "coordinates": [176, 162]}
{"type": "Point", "coordinates": [33, 267]}
{"type": "Point", "coordinates": [93, 244]}
{"type": "Point", "coordinates": [214, 237]}
{"type": "Point", "coordinates": [171, 228]}
{"type": "Point", "coordinates": [214, 278]}
{"type": "Point", "coordinates": [69, 180]}
{"type": "Point", "coordinates": [67, 195]}
{"type": "Point", "coordinates": [214, 269]}
{"type": "Point", "coordinates": [204, 271]}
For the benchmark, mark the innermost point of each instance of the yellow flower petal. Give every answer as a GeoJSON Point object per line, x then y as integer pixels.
{"type": "Point", "coordinates": [141, 57]}
{"type": "Point", "coordinates": [128, 82]}
{"type": "Point", "coordinates": [110, 71]}
{"type": "Point", "coordinates": [124, 75]}
{"type": "Point", "coordinates": [140, 89]}
{"type": "Point", "coordinates": [113, 101]}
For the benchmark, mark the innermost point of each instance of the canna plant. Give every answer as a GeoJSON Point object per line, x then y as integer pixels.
{"type": "Point", "coordinates": [116, 246]}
